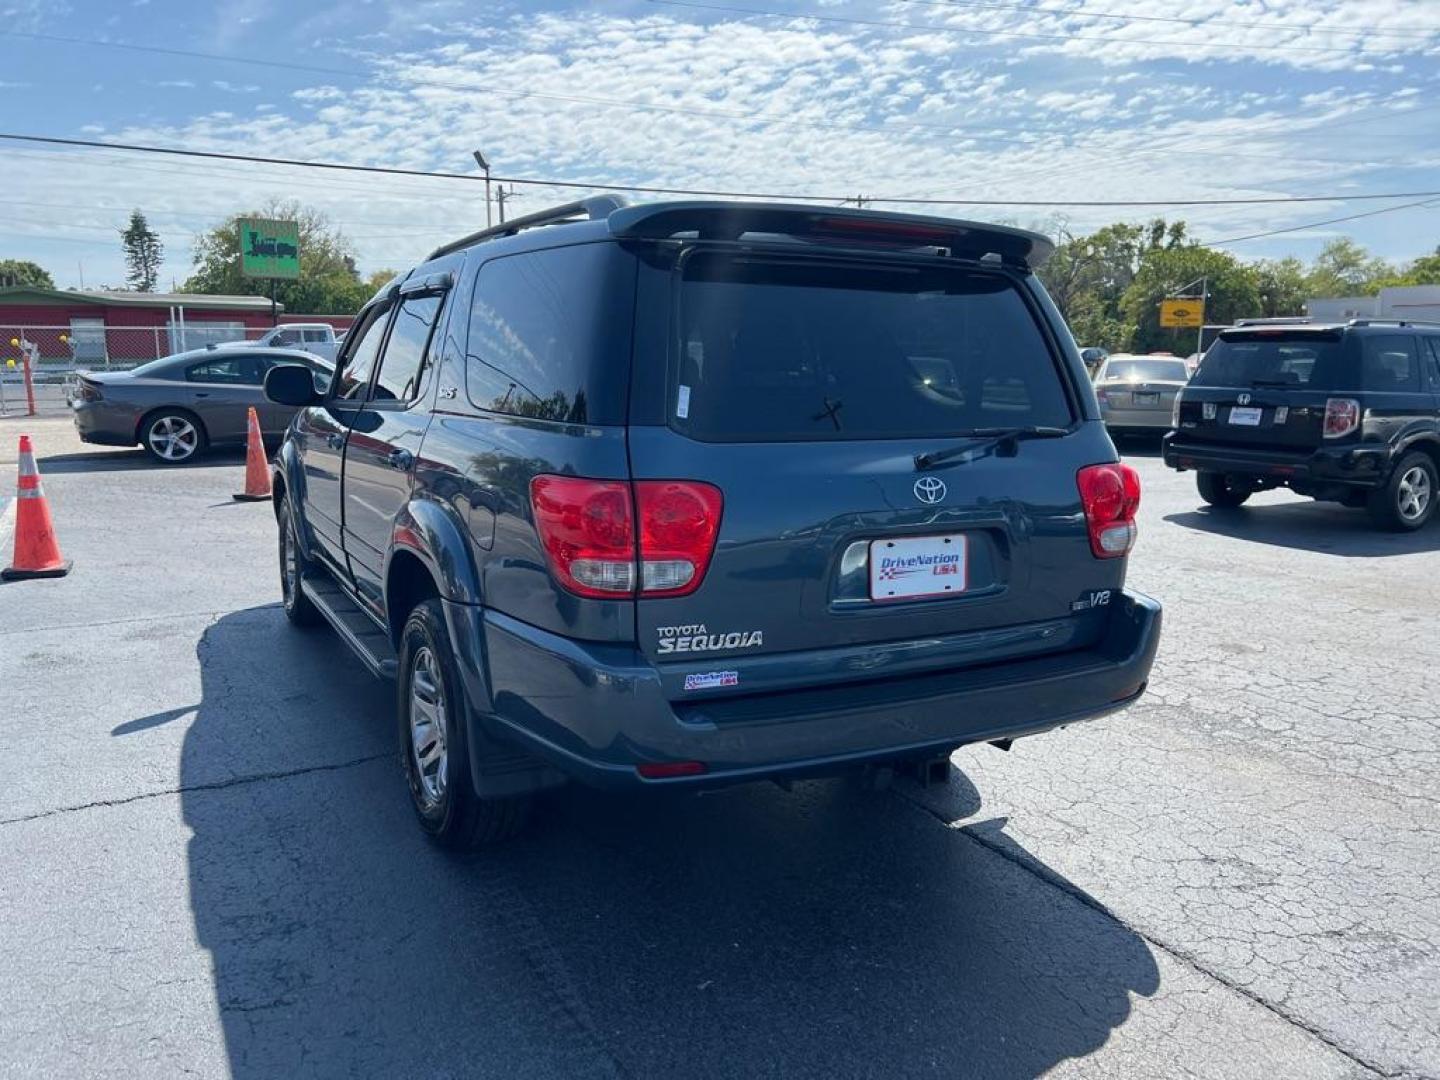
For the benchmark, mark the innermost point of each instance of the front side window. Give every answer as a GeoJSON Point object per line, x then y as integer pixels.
{"type": "Point", "coordinates": [774, 349]}
{"type": "Point", "coordinates": [354, 378]}
{"type": "Point", "coordinates": [404, 360]}
{"type": "Point", "coordinates": [315, 335]}
{"type": "Point", "coordinates": [287, 337]}
{"type": "Point", "coordinates": [1390, 363]}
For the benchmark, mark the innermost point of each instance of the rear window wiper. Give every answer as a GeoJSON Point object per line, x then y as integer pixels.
{"type": "Point", "coordinates": [987, 437]}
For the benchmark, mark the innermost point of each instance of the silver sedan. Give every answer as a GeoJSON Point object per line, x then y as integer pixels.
{"type": "Point", "coordinates": [1137, 393]}
{"type": "Point", "coordinates": [178, 405]}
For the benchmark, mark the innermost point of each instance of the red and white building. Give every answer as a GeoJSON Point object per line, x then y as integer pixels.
{"type": "Point", "coordinates": [95, 326]}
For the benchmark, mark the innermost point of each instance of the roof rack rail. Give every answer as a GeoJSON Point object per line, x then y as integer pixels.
{"type": "Point", "coordinates": [1392, 322]}
{"type": "Point", "coordinates": [597, 206]}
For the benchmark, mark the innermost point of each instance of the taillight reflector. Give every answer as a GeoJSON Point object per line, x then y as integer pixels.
{"type": "Point", "coordinates": [1110, 496]}
{"type": "Point", "coordinates": [665, 770]}
{"type": "Point", "coordinates": [588, 530]}
{"type": "Point", "coordinates": [1342, 416]}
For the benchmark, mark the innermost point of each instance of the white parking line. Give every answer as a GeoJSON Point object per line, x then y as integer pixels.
{"type": "Point", "coordinates": [7, 525]}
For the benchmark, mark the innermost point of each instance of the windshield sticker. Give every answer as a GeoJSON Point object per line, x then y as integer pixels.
{"type": "Point", "coordinates": [710, 679]}
{"type": "Point", "coordinates": [682, 402]}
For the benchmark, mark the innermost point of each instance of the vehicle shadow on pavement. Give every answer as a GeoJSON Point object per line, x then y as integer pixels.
{"type": "Point", "coordinates": [136, 459]}
{"type": "Point", "coordinates": [819, 932]}
{"type": "Point", "coordinates": [1309, 526]}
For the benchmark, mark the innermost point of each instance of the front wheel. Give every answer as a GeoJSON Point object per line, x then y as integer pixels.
{"type": "Point", "coordinates": [432, 711]}
{"type": "Point", "coordinates": [299, 608]}
{"type": "Point", "coordinates": [1407, 500]}
{"type": "Point", "coordinates": [1218, 489]}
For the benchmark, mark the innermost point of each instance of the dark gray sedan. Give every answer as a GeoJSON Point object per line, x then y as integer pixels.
{"type": "Point", "coordinates": [178, 405]}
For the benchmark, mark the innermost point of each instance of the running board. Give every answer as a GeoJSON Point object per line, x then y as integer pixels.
{"type": "Point", "coordinates": [355, 627]}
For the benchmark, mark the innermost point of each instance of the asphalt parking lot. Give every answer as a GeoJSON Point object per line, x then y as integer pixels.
{"type": "Point", "coordinates": [208, 864]}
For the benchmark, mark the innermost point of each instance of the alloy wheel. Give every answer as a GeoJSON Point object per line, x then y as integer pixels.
{"type": "Point", "coordinates": [427, 726]}
{"type": "Point", "coordinates": [173, 438]}
{"type": "Point", "coordinates": [1413, 494]}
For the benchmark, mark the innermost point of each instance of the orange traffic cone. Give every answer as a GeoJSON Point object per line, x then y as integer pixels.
{"type": "Point", "coordinates": [36, 552]}
{"type": "Point", "coordinates": [257, 470]}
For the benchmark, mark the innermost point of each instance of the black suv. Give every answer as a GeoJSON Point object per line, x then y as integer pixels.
{"type": "Point", "coordinates": [686, 494]}
{"type": "Point", "coordinates": [1349, 413]}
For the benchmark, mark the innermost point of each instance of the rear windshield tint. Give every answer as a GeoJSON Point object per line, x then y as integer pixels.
{"type": "Point", "coordinates": [1146, 371]}
{"type": "Point", "coordinates": [1308, 361]}
{"type": "Point", "coordinates": [789, 350]}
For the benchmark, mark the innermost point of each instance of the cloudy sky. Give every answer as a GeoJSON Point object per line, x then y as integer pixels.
{"type": "Point", "coordinates": [1005, 101]}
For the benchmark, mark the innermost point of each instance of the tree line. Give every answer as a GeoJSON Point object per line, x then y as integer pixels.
{"type": "Point", "coordinates": [1109, 284]}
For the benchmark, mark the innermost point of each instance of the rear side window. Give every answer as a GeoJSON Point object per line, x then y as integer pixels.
{"type": "Point", "coordinates": [1308, 361]}
{"type": "Point", "coordinates": [1432, 363]}
{"type": "Point", "coordinates": [232, 370]}
{"type": "Point", "coordinates": [316, 335]}
{"type": "Point", "coordinates": [788, 350]}
{"type": "Point", "coordinates": [1390, 363]}
{"type": "Point", "coordinates": [550, 334]}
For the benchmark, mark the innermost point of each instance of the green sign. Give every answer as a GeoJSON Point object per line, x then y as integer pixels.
{"type": "Point", "coordinates": [269, 249]}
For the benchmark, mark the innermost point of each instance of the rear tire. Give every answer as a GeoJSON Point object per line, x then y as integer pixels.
{"type": "Point", "coordinates": [293, 566]}
{"type": "Point", "coordinates": [432, 711]}
{"type": "Point", "coordinates": [1406, 501]}
{"type": "Point", "coordinates": [173, 436]}
{"type": "Point", "coordinates": [1217, 490]}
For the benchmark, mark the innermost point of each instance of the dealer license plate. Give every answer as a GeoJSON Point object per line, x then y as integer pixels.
{"type": "Point", "coordinates": [1245, 415]}
{"type": "Point", "coordinates": [918, 566]}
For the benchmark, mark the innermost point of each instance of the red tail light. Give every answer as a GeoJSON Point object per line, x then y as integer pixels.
{"type": "Point", "coordinates": [666, 770]}
{"type": "Point", "coordinates": [588, 531]}
{"type": "Point", "coordinates": [1110, 495]}
{"type": "Point", "coordinates": [1342, 416]}
{"type": "Point", "coordinates": [587, 528]}
{"type": "Point", "coordinates": [679, 520]}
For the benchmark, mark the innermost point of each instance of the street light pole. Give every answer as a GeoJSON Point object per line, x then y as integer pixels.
{"type": "Point", "coordinates": [485, 168]}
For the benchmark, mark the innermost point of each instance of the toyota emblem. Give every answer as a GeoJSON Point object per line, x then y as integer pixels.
{"type": "Point", "coordinates": [929, 489]}
{"type": "Point", "coordinates": [1243, 399]}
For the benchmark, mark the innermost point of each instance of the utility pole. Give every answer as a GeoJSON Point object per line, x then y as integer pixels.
{"type": "Point", "coordinates": [501, 195]}
{"type": "Point", "coordinates": [485, 168]}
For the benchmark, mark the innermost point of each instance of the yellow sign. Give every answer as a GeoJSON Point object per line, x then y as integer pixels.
{"type": "Point", "coordinates": [1181, 313]}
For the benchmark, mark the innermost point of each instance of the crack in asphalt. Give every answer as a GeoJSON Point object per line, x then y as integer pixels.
{"type": "Point", "coordinates": [1049, 877]}
{"type": "Point", "coordinates": [214, 785]}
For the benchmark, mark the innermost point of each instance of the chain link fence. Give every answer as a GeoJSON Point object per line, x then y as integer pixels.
{"type": "Point", "coordinates": [59, 352]}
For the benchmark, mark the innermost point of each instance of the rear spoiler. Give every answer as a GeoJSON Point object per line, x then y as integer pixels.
{"type": "Point", "coordinates": [735, 220]}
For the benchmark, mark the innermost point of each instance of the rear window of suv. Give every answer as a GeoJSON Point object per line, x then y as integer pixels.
{"type": "Point", "coordinates": [797, 349]}
{"type": "Point", "coordinates": [1302, 361]}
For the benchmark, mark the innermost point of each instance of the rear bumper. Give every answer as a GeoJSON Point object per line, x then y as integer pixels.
{"type": "Point", "coordinates": [1137, 419]}
{"type": "Point", "coordinates": [1358, 466]}
{"type": "Point", "coordinates": [102, 424]}
{"type": "Point", "coordinates": [597, 711]}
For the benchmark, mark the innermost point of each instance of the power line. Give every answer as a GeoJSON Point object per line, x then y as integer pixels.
{"type": "Point", "coordinates": [587, 185]}
{"type": "Point", "coordinates": [1410, 34]}
{"type": "Point", "coordinates": [1317, 224]}
{"type": "Point", "coordinates": [938, 28]}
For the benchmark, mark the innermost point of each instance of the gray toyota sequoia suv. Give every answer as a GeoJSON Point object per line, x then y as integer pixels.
{"type": "Point", "coordinates": [692, 493]}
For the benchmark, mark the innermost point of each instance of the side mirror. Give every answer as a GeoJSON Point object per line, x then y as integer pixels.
{"type": "Point", "coordinates": [291, 384]}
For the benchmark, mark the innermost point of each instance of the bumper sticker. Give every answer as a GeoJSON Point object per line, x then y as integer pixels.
{"type": "Point", "coordinates": [710, 679]}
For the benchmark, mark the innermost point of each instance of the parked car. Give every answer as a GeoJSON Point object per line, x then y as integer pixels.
{"type": "Point", "coordinates": [687, 494]}
{"type": "Point", "coordinates": [319, 339]}
{"type": "Point", "coordinates": [178, 405]}
{"type": "Point", "coordinates": [1137, 393]}
{"type": "Point", "coordinates": [1346, 412]}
